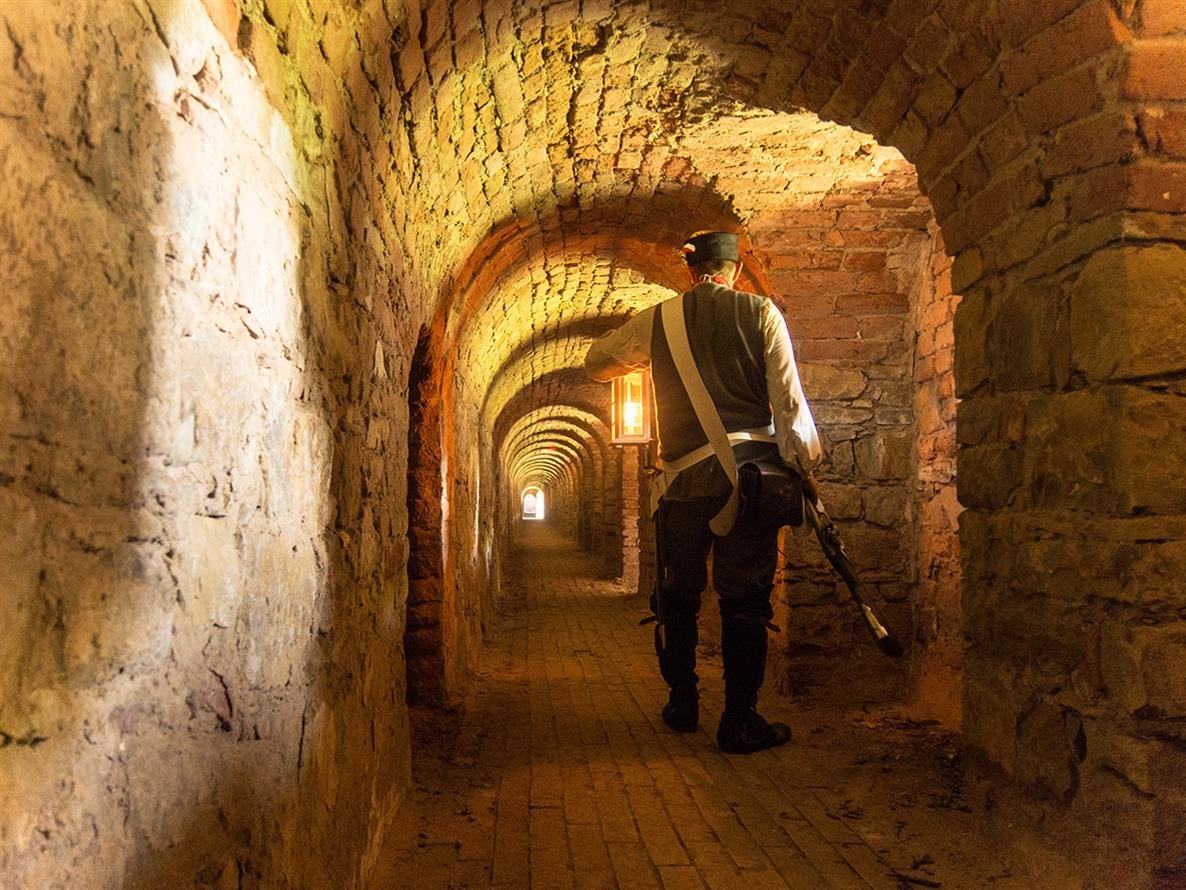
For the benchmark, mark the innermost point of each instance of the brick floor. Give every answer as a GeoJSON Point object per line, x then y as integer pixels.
{"type": "Point", "coordinates": [559, 773]}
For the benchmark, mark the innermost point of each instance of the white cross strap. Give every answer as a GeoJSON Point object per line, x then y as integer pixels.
{"type": "Point", "coordinates": [675, 329]}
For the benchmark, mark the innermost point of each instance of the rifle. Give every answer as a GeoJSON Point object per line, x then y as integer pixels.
{"type": "Point", "coordinates": [833, 547]}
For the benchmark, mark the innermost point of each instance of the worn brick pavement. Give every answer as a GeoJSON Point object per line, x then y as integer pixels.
{"type": "Point", "coordinates": [558, 772]}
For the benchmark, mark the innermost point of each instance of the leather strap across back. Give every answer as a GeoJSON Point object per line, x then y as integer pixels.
{"type": "Point", "coordinates": [675, 329]}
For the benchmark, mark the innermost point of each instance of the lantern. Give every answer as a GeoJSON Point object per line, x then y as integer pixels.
{"type": "Point", "coordinates": [632, 409]}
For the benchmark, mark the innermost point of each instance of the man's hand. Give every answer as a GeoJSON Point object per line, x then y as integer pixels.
{"type": "Point", "coordinates": [810, 488]}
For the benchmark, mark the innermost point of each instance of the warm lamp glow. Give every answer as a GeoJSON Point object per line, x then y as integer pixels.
{"type": "Point", "coordinates": [632, 409]}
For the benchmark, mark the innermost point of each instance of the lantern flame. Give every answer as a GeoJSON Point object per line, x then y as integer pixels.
{"type": "Point", "coordinates": [632, 409]}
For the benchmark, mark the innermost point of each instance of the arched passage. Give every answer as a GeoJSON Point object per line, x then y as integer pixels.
{"type": "Point", "coordinates": [398, 150]}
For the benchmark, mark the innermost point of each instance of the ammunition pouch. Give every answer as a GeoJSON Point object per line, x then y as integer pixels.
{"type": "Point", "coordinates": [771, 495]}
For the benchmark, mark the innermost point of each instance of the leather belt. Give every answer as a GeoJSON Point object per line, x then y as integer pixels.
{"type": "Point", "coordinates": [758, 434]}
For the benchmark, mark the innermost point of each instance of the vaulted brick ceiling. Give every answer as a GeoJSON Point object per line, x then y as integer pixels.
{"type": "Point", "coordinates": [528, 129]}
{"type": "Point", "coordinates": [541, 314]}
{"type": "Point", "coordinates": [547, 158]}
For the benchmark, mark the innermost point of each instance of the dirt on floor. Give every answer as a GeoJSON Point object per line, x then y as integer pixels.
{"type": "Point", "coordinates": [558, 772]}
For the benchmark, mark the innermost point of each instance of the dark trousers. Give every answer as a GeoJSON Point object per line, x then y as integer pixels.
{"type": "Point", "coordinates": [743, 568]}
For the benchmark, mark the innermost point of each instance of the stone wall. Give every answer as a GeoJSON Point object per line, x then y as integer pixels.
{"type": "Point", "coordinates": [1073, 593]}
{"type": "Point", "coordinates": [851, 272]}
{"type": "Point", "coordinates": [938, 621]}
{"type": "Point", "coordinates": [865, 287]}
{"type": "Point", "coordinates": [175, 373]}
{"type": "Point", "coordinates": [631, 518]}
{"type": "Point", "coordinates": [201, 484]}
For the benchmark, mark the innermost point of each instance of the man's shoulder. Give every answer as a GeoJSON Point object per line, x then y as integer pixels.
{"type": "Point", "coordinates": [753, 303]}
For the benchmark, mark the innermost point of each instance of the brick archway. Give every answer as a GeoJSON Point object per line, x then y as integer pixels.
{"type": "Point", "coordinates": [318, 180]}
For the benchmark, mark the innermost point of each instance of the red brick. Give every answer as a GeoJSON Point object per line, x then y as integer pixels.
{"type": "Point", "coordinates": [970, 58]}
{"type": "Point", "coordinates": [1097, 192]}
{"type": "Point", "coordinates": [1164, 131]}
{"type": "Point", "coordinates": [945, 145]}
{"type": "Point", "coordinates": [875, 303]}
{"type": "Point", "coordinates": [908, 219]}
{"type": "Point", "coordinates": [934, 99]}
{"type": "Point", "coordinates": [982, 213]}
{"type": "Point", "coordinates": [1060, 100]}
{"type": "Point", "coordinates": [864, 260]}
{"type": "Point", "coordinates": [1019, 20]}
{"type": "Point", "coordinates": [943, 193]}
{"type": "Point", "coordinates": [827, 259]}
{"type": "Point", "coordinates": [928, 44]}
{"type": "Point", "coordinates": [1103, 139]}
{"type": "Point", "coordinates": [819, 282]}
{"type": "Point", "coordinates": [876, 238]}
{"type": "Point", "coordinates": [804, 303]}
{"type": "Point", "coordinates": [1090, 30]}
{"type": "Point", "coordinates": [855, 351]}
{"type": "Point", "coordinates": [891, 102]}
{"type": "Point", "coordinates": [833, 327]}
{"type": "Point", "coordinates": [859, 219]}
{"type": "Point", "coordinates": [982, 105]}
{"type": "Point", "coordinates": [970, 174]}
{"type": "Point", "coordinates": [877, 282]}
{"type": "Point", "coordinates": [1003, 142]}
{"type": "Point", "coordinates": [1156, 70]}
{"type": "Point", "coordinates": [880, 327]}
{"type": "Point", "coordinates": [1157, 186]}
{"type": "Point", "coordinates": [890, 200]}
{"type": "Point", "coordinates": [1159, 18]}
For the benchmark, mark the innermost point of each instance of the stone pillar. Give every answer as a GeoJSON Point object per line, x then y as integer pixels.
{"type": "Point", "coordinates": [937, 665]}
{"type": "Point", "coordinates": [630, 516]}
{"type": "Point", "coordinates": [1074, 476]}
{"type": "Point", "coordinates": [612, 535]}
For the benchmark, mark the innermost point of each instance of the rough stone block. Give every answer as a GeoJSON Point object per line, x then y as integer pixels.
{"type": "Point", "coordinates": [1027, 337]}
{"type": "Point", "coordinates": [972, 368]}
{"type": "Point", "coordinates": [887, 507]}
{"type": "Point", "coordinates": [886, 455]}
{"type": "Point", "coordinates": [1128, 313]}
{"type": "Point", "coordinates": [1105, 450]}
{"type": "Point", "coordinates": [989, 474]}
{"type": "Point", "coordinates": [830, 382]}
{"type": "Point", "coordinates": [990, 712]}
{"type": "Point", "coordinates": [1144, 669]}
{"type": "Point", "coordinates": [1051, 743]}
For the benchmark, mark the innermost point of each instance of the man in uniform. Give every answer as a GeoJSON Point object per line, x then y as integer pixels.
{"type": "Point", "coordinates": [743, 351]}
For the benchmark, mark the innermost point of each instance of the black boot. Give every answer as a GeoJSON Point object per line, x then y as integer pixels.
{"type": "Point", "coordinates": [682, 711]}
{"type": "Point", "coordinates": [742, 729]}
{"type": "Point", "coordinates": [675, 644]}
{"type": "Point", "coordinates": [744, 733]}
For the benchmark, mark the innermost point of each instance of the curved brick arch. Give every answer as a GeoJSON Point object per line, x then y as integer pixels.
{"type": "Point", "coordinates": [550, 468]}
{"type": "Point", "coordinates": [508, 268]}
{"type": "Point", "coordinates": [279, 211]}
{"type": "Point", "coordinates": [571, 415]}
{"type": "Point", "coordinates": [530, 435]}
{"type": "Point", "coordinates": [559, 360]}
{"type": "Point", "coordinates": [553, 438]}
{"type": "Point", "coordinates": [1040, 136]}
{"type": "Point", "coordinates": [599, 523]}
{"type": "Point", "coordinates": [994, 105]}
{"type": "Point", "coordinates": [565, 451]}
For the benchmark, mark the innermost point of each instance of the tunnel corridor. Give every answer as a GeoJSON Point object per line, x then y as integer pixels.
{"type": "Point", "coordinates": [319, 564]}
{"type": "Point", "coordinates": [557, 771]}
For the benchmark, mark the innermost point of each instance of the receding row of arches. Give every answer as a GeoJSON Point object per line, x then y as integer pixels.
{"type": "Point", "coordinates": [291, 475]}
